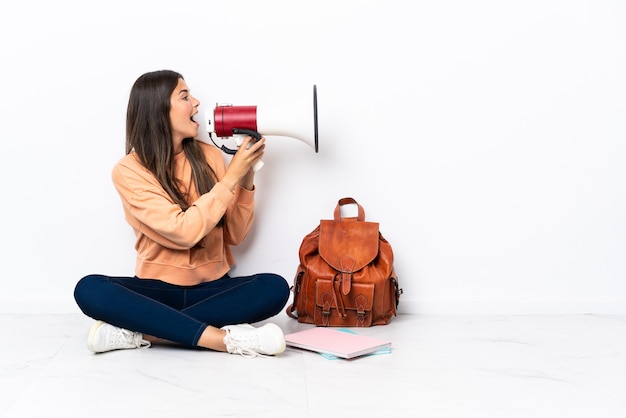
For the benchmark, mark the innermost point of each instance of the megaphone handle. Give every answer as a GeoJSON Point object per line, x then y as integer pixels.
{"type": "Point", "coordinates": [257, 136]}
{"type": "Point", "coordinates": [228, 150]}
{"type": "Point", "coordinates": [253, 134]}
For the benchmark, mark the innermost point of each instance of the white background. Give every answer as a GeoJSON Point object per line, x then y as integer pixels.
{"type": "Point", "coordinates": [486, 137]}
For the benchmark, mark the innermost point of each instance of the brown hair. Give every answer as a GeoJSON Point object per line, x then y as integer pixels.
{"type": "Point", "coordinates": [149, 134]}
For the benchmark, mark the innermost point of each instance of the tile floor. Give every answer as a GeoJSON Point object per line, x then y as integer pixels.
{"type": "Point", "coordinates": [440, 366]}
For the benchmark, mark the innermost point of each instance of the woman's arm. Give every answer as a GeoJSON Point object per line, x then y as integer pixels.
{"type": "Point", "coordinates": [150, 210]}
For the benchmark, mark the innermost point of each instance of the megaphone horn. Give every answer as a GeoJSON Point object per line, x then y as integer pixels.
{"type": "Point", "coordinates": [291, 117]}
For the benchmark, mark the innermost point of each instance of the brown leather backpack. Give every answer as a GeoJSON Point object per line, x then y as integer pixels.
{"type": "Point", "coordinates": [346, 276]}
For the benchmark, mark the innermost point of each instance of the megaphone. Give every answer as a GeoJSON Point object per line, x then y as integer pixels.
{"type": "Point", "coordinates": [294, 117]}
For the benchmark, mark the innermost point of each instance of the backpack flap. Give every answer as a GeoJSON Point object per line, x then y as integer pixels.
{"type": "Point", "coordinates": [347, 246]}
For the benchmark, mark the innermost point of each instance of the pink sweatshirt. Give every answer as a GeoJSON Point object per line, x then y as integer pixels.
{"type": "Point", "coordinates": [182, 247]}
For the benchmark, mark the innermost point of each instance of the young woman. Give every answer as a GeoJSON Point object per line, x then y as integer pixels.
{"type": "Point", "coordinates": [186, 208]}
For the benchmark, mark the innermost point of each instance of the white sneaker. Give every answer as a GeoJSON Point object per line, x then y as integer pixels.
{"type": "Point", "coordinates": [105, 337]}
{"type": "Point", "coordinates": [248, 341]}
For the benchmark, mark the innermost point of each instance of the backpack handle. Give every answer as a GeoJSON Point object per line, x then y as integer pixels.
{"type": "Point", "coordinates": [348, 201]}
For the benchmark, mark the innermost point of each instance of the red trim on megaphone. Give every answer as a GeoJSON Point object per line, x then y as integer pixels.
{"type": "Point", "coordinates": [228, 118]}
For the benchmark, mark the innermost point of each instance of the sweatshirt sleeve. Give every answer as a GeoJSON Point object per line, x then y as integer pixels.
{"type": "Point", "coordinates": [240, 212]}
{"type": "Point", "coordinates": [239, 216]}
{"type": "Point", "coordinates": [150, 211]}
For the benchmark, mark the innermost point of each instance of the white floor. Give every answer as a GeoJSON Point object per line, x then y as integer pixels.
{"type": "Point", "coordinates": [440, 366]}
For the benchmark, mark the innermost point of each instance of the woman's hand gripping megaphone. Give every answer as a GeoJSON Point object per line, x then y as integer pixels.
{"type": "Point", "coordinates": [241, 167]}
{"type": "Point", "coordinates": [240, 170]}
{"type": "Point", "coordinates": [238, 134]}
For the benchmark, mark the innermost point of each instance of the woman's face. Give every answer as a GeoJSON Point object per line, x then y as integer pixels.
{"type": "Point", "coordinates": [183, 107]}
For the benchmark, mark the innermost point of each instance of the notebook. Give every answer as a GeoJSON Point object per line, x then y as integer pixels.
{"type": "Point", "coordinates": [338, 343]}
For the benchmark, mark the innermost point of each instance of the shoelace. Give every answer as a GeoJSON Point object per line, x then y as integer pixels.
{"type": "Point", "coordinates": [127, 336]}
{"type": "Point", "coordinates": [244, 351]}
